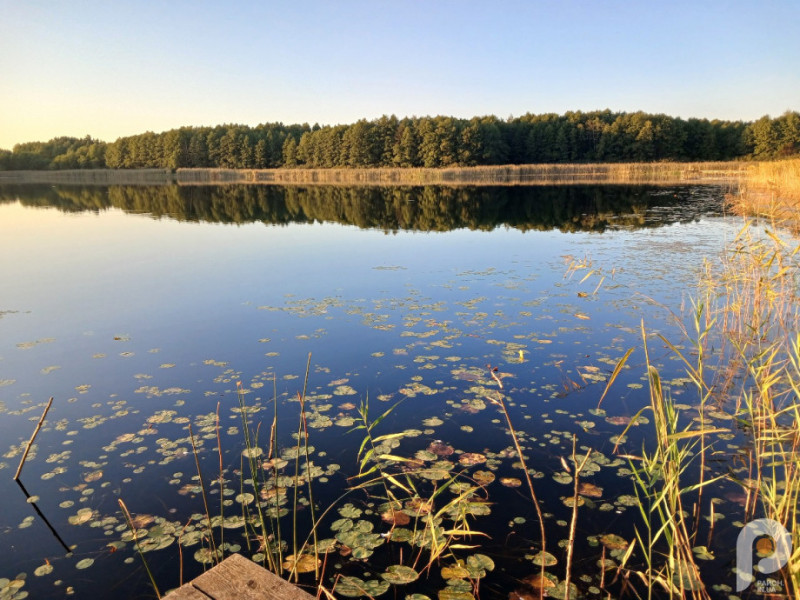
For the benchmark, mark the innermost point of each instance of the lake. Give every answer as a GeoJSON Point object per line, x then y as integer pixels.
{"type": "Point", "coordinates": [144, 310]}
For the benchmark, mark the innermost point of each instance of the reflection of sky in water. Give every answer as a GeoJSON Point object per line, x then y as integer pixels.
{"type": "Point", "coordinates": [178, 294]}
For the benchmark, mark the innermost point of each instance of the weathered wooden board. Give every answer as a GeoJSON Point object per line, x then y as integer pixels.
{"type": "Point", "coordinates": [237, 578]}
{"type": "Point", "coordinates": [186, 592]}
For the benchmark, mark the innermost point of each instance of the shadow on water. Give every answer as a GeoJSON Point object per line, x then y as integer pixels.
{"type": "Point", "coordinates": [428, 208]}
{"type": "Point", "coordinates": [31, 500]}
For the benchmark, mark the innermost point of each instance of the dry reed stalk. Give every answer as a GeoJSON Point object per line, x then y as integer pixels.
{"type": "Point", "coordinates": [92, 177]}
{"type": "Point", "coordinates": [499, 402]}
{"type": "Point", "coordinates": [205, 498]}
{"type": "Point", "coordinates": [135, 536]}
{"type": "Point", "coordinates": [574, 521]}
{"type": "Point", "coordinates": [771, 190]}
{"type": "Point", "coordinates": [663, 173]}
{"type": "Point", "coordinates": [33, 437]}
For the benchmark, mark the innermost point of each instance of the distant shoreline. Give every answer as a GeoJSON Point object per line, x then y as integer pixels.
{"type": "Point", "coordinates": [661, 173]}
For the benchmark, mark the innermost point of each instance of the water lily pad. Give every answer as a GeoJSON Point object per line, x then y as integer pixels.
{"type": "Point", "coordinates": [478, 565]}
{"type": "Point", "coordinates": [590, 490]}
{"type": "Point", "coordinates": [84, 515]}
{"type": "Point", "coordinates": [254, 452]}
{"type": "Point", "coordinates": [454, 572]}
{"type": "Point", "coordinates": [511, 482]}
{"type": "Point", "coordinates": [354, 587]}
{"type": "Point", "coordinates": [304, 563]}
{"type": "Point", "coordinates": [484, 477]}
{"type": "Point", "coordinates": [401, 534]}
{"type": "Point", "coordinates": [613, 542]}
{"type": "Point", "coordinates": [562, 478]}
{"type": "Point", "coordinates": [469, 459]}
{"type": "Point", "coordinates": [570, 501]}
{"type": "Point", "coordinates": [459, 585]}
{"type": "Point", "coordinates": [618, 420]}
{"type": "Point", "coordinates": [44, 569]}
{"type": "Point", "coordinates": [350, 512]}
{"type": "Point", "coordinates": [93, 476]}
{"type": "Point", "coordinates": [206, 556]}
{"type": "Point", "coordinates": [434, 474]}
{"type": "Point", "coordinates": [440, 448]}
{"type": "Point", "coordinates": [544, 557]}
{"type": "Point", "coordinates": [560, 591]}
{"type": "Point", "coordinates": [399, 575]}
{"type": "Point", "coordinates": [536, 581]}
{"type": "Point", "coordinates": [703, 553]}
{"type": "Point", "coordinates": [85, 563]}
{"type": "Point", "coordinates": [342, 525]}
{"type": "Point", "coordinates": [451, 594]}
{"type": "Point", "coordinates": [361, 553]}
{"type": "Point", "coordinates": [628, 500]}
{"type": "Point", "coordinates": [395, 517]}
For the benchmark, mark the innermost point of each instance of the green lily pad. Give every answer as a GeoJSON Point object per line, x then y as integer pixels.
{"type": "Point", "coordinates": [353, 587]}
{"type": "Point", "coordinates": [451, 594]}
{"type": "Point", "coordinates": [401, 534]}
{"type": "Point", "coordinates": [559, 592]}
{"type": "Point", "coordinates": [627, 500]}
{"type": "Point", "coordinates": [349, 511]}
{"type": "Point", "coordinates": [454, 572]}
{"type": "Point", "coordinates": [342, 525]}
{"type": "Point", "coordinates": [703, 553]}
{"type": "Point", "coordinates": [399, 575]}
{"type": "Point", "coordinates": [254, 452]}
{"type": "Point", "coordinates": [562, 478]}
{"type": "Point", "coordinates": [544, 557]}
{"type": "Point", "coordinates": [613, 542]}
{"type": "Point", "coordinates": [480, 561]}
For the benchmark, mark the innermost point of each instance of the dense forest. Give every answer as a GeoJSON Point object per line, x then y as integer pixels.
{"type": "Point", "coordinates": [601, 136]}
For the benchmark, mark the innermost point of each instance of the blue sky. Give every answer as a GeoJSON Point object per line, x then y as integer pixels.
{"type": "Point", "coordinates": [112, 68]}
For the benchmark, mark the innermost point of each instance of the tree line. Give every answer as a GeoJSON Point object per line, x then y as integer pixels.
{"type": "Point", "coordinates": [599, 136]}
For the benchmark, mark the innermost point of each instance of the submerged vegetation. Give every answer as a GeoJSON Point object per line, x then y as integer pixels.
{"type": "Point", "coordinates": [432, 142]}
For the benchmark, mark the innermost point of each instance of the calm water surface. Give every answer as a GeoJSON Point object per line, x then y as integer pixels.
{"type": "Point", "coordinates": [139, 309]}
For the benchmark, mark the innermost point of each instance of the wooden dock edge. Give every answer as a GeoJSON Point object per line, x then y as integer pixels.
{"type": "Point", "coordinates": [238, 578]}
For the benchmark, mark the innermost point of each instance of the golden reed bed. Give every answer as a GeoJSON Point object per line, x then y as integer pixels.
{"type": "Point", "coordinates": [546, 174]}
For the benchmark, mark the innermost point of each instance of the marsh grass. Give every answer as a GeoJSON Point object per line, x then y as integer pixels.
{"type": "Point", "coordinates": [762, 316]}
{"type": "Point", "coordinates": [740, 351]}
{"type": "Point", "coordinates": [744, 364]}
{"type": "Point", "coordinates": [668, 531]}
{"type": "Point", "coordinates": [540, 174]}
{"type": "Point", "coordinates": [91, 176]}
{"type": "Point", "coordinates": [770, 191]}
{"type": "Point", "coordinates": [132, 527]}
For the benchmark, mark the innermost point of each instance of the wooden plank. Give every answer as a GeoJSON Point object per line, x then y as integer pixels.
{"type": "Point", "coordinates": [186, 592]}
{"type": "Point", "coordinates": [238, 578]}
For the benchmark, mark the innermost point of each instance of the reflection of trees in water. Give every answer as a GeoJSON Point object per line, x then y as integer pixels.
{"type": "Point", "coordinates": [429, 208]}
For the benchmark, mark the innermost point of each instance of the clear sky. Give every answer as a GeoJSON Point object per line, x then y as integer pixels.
{"type": "Point", "coordinates": [109, 68]}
